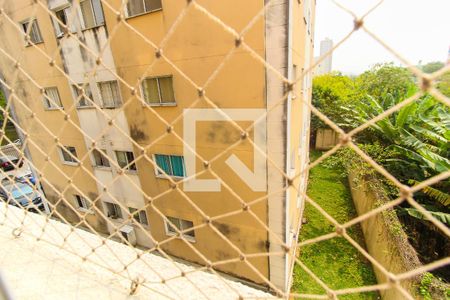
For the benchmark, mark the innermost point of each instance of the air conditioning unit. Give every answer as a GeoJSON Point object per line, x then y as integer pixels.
{"type": "Point", "coordinates": [129, 234]}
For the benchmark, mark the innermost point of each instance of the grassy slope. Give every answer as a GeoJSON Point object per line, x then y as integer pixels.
{"type": "Point", "coordinates": [336, 262]}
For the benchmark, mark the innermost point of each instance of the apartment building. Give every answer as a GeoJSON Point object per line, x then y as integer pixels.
{"type": "Point", "coordinates": [103, 91]}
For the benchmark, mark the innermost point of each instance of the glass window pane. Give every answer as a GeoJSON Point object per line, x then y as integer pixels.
{"type": "Point", "coordinates": [177, 165]}
{"type": "Point", "coordinates": [185, 225]}
{"type": "Point", "coordinates": [88, 17]}
{"type": "Point", "coordinates": [109, 92]}
{"type": "Point", "coordinates": [163, 162]}
{"type": "Point", "coordinates": [151, 5]}
{"type": "Point", "coordinates": [150, 88]}
{"type": "Point", "coordinates": [98, 11]}
{"type": "Point", "coordinates": [130, 158]}
{"type": "Point", "coordinates": [121, 158]}
{"type": "Point", "coordinates": [175, 222]}
{"type": "Point", "coordinates": [165, 84]}
{"type": "Point", "coordinates": [143, 217]}
{"type": "Point", "coordinates": [135, 7]}
{"type": "Point", "coordinates": [35, 34]}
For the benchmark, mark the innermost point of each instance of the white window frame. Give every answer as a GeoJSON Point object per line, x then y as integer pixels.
{"type": "Point", "coordinates": [58, 27]}
{"type": "Point", "coordinates": [64, 161]}
{"type": "Point", "coordinates": [127, 169]}
{"type": "Point", "coordinates": [117, 209]}
{"type": "Point", "coordinates": [169, 232]}
{"type": "Point", "coordinates": [24, 30]}
{"type": "Point", "coordinates": [174, 103]}
{"type": "Point", "coordinates": [117, 102]}
{"type": "Point", "coordinates": [54, 104]}
{"type": "Point", "coordinates": [93, 14]}
{"type": "Point", "coordinates": [142, 13]}
{"type": "Point", "coordinates": [139, 215]}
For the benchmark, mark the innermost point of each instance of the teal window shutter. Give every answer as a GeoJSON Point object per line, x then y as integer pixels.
{"type": "Point", "coordinates": [163, 162]}
{"type": "Point", "coordinates": [177, 166]}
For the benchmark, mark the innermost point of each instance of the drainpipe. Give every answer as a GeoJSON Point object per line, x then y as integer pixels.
{"type": "Point", "coordinates": [22, 138]}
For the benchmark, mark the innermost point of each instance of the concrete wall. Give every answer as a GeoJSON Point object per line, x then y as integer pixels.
{"type": "Point", "coordinates": [385, 240]}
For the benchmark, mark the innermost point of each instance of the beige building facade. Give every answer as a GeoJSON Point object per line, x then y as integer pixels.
{"type": "Point", "coordinates": [102, 89]}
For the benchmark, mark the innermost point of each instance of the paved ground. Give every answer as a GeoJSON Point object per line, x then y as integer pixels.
{"type": "Point", "coordinates": [45, 269]}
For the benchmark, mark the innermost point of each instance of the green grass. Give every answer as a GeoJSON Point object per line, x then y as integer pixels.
{"type": "Point", "coordinates": [336, 262]}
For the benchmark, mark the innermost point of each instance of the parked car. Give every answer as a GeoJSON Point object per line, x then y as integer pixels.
{"type": "Point", "coordinates": [24, 178]}
{"type": "Point", "coordinates": [8, 162]}
{"type": "Point", "coordinates": [21, 194]}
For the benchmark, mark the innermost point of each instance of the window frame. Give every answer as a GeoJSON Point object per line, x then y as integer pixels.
{"type": "Point", "coordinates": [24, 30]}
{"type": "Point", "coordinates": [84, 27]}
{"type": "Point", "coordinates": [86, 204]}
{"type": "Point", "coordinates": [63, 157]}
{"type": "Point", "coordinates": [136, 214]}
{"type": "Point", "coordinates": [128, 15]}
{"type": "Point", "coordinates": [117, 104]}
{"type": "Point", "coordinates": [160, 103]}
{"type": "Point", "coordinates": [49, 105]}
{"type": "Point", "coordinates": [102, 158]}
{"type": "Point", "coordinates": [170, 232]}
{"type": "Point", "coordinates": [129, 168]}
{"type": "Point", "coordinates": [117, 210]}
{"type": "Point", "coordinates": [159, 174]}
{"type": "Point", "coordinates": [60, 32]}
{"type": "Point", "coordinates": [83, 96]}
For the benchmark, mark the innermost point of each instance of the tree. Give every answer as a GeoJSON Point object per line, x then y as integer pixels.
{"type": "Point", "coordinates": [386, 79]}
{"type": "Point", "coordinates": [432, 67]}
{"type": "Point", "coordinates": [331, 94]}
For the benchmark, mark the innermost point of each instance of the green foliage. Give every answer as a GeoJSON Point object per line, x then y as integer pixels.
{"type": "Point", "coordinates": [432, 67]}
{"type": "Point", "coordinates": [443, 217]}
{"type": "Point", "coordinates": [331, 94]}
{"type": "Point", "coordinates": [386, 79]}
{"type": "Point", "coordinates": [424, 288]}
{"type": "Point", "coordinates": [443, 84]}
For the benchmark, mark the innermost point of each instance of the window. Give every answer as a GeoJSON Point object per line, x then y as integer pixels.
{"type": "Point", "coordinates": [69, 154]}
{"type": "Point", "coordinates": [35, 33]}
{"type": "Point", "coordinates": [140, 216]}
{"type": "Point", "coordinates": [113, 210]}
{"type": "Point", "coordinates": [60, 19]}
{"type": "Point", "coordinates": [100, 159]}
{"type": "Point", "coordinates": [83, 95]}
{"type": "Point", "coordinates": [109, 91]}
{"type": "Point", "coordinates": [124, 158]}
{"type": "Point", "coordinates": [181, 225]}
{"type": "Point", "coordinates": [139, 7]}
{"type": "Point", "coordinates": [92, 13]}
{"type": "Point", "coordinates": [51, 98]}
{"type": "Point", "coordinates": [82, 202]}
{"type": "Point", "coordinates": [158, 91]}
{"type": "Point", "coordinates": [172, 165]}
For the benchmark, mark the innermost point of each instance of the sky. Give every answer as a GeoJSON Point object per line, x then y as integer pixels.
{"type": "Point", "coordinates": [418, 29]}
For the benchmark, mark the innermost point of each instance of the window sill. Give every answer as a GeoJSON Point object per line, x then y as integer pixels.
{"type": "Point", "coordinates": [166, 177]}
{"type": "Point", "coordinates": [170, 104]}
{"type": "Point", "coordinates": [102, 168]}
{"type": "Point", "coordinates": [187, 238]}
{"type": "Point", "coordinates": [143, 14]}
{"type": "Point", "coordinates": [86, 211]}
{"type": "Point", "coordinates": [54, 108]}
{"type": "Point", "coordinates": [33, 44]}
{"type": "Point", "coordinates": [130, 172]}
{"type": "Point", "coordinates": [111, 107]}
{"type": "Point", "coordinates": [69, 163]}
{"type": "Point", "coordinates": [93, 27]}
{"type": "Point", "coordinates": [85, 107]}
